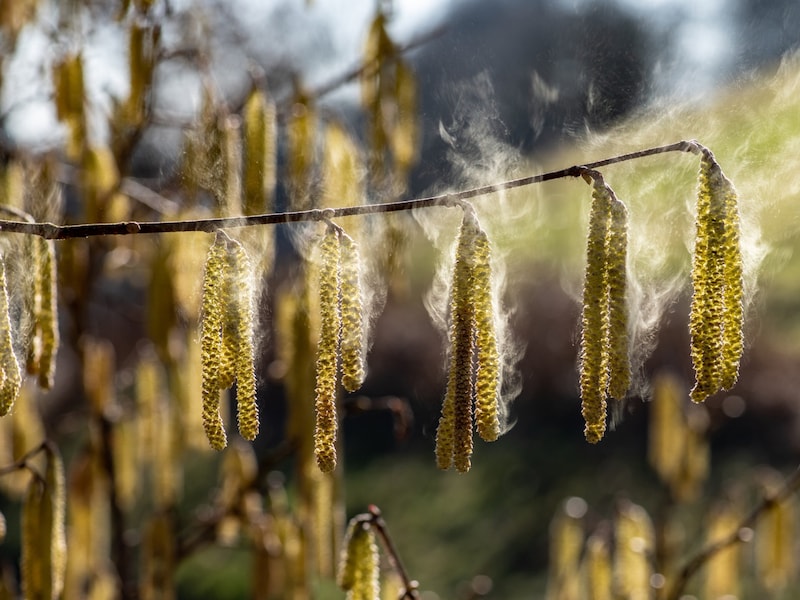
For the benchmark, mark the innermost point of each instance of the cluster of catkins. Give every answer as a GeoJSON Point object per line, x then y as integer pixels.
{"type": "Point", "coordinates": [717, 309]}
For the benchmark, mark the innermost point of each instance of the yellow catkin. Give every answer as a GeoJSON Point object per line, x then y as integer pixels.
{"type": "Point", "coordinates": [733, 319]}
{"type": "Point", "coordinates": [43, 535]}
{"type": "Point", "coordinates": [405, 131]}
{"type": "Point", "coordinates": [47, 312]}
{"type": "Point", "coordinates": [596, 570]}
{"type": "Point", "coordinates": [229, 190]}
{"type": "Point", "coordinates": [594, 318]}
{"type": "Point", "coordinates": [158, 560]}
{"type": "Point", "coordinates": [619, 366]}
{"type": "Point", "coordinates": [242, 299]}
{"type": "Point", "coordinates": [456, 422]}
{"type": "Point", "coordinates": [774, 553]}
{"type": "Point", "coordinates": [301, 139]}
{"type": "Point", "coordinates": [327, 352]}
{"type": "Point", "coordinates": [34, 563]}
{"type": "Point", "coordinates": [352, 310]}
{"type": "Point", "coordinates": [69, 97]}
{"type": "Point", "coordinates": [723, 569]}
{"type": "Point", "coordinates": [358, 572]}
{"type": "Point", "coordinates": [566, 541]}
{"type": "Point", "coordinates": [259, 153]}
{"type": "Point", "coordinates": [635, 544]}
{"type": "Point", "coordinates": [211, 351]}
{"type": "Point", "coordinates": [487, 378]}
{"type": "Point", "coordinates": [666, 429]}
{"type": "Point", "coordinates": [9, 367]}
{"type": "Point", "coordinates": [141, 63]}
{"type": "Point", "coordinates": [705, 320]}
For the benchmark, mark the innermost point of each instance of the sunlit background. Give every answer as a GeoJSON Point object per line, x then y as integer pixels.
{"type": "Point", "coordinates": [507, 88]}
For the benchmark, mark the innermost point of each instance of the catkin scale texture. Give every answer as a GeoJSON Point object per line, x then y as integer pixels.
{"type": "Point", "coordinates": [716, 315]}
{"type": "Point", "coordinates": [241, 306]}
{"type": "Point", "coordinates": [327, 352]}
{"type": "Point", "coordinates": [359, 565]}
{"type": "Point", "coordinates": [619, 369]}
{"type": "Point", "coordinates": [460, 384]}
{"type": "Point", "coordinates": [594, 319]}
{"type": "Point", "coordinates": [11, 380]}
{"type": "Point", "coordinates": [211, 343]}
{"type": "Point", "coordinates": [352, 311]}
{"type": "Point", "coordinates": [47, 311]}
{"type": "Point", "coordinates": [487, 379]}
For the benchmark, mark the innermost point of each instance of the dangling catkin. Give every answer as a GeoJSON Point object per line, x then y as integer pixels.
{"type": "Point", "coordinates": [43, 535]}
{"type": "Point", "coordinates": [352, 343]}
{"type": "Point", "coordinates": [47, 311]}
{"type": "Point", "coordinates": [359, 565]}
{"type": "Point", "coordinates": [241, 300]}
{"type": "Point", "coordinates": [596, 569]}
{"type": "Point", "coordinates": [9, 367]}
{"type": "Point", "coordinates": [211, 343]}
{"type": "Point", "coordinates": [454, 436]}
{"type": "Point", "coordinates": [733, 319]}
{"type": "Point", "coordinates": [594, 354]}
{"type": "Point", "coordinates": [487, 379]}
{"type": "Point", "coordinates": [328, 351]}
{"type": "Point", "coordinates": [619, 366]}
{"type": "Point", "coordinates": [715, 321]}
{"type": "Point", "coordinates": [259, 152]}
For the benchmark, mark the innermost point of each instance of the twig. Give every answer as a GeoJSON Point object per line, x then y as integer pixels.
{"type": "Point", "coordinates": [410, 586]}
{"type": "Point", "coordinates": [22, 463]}
{"type": "Point", "coordinates": [61, 232]}
{"type": "Point", "coordinates": [694, 564]}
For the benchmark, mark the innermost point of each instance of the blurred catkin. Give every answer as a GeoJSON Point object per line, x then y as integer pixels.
{"type": "Point", "coordinates": [328, 351]}
{"type": "Point", "coordinates": [359, 564]}
{"type": "Point", "coordinates": [352, 311]}
{"type": "Point", "coordinates": [43, 536]}
{"type": "Point", "coordinates": [259, 133]}
{"type": "Point", "coordinates": [46, 316]}
{"type": "Point", "coordinates": [596, 569]}
{"type": "Point", "coordinates": [9, 367]}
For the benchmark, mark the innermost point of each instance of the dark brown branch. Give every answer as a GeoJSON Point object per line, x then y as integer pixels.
{"type": "Point", "coordinates": [694, 564]}
{"type": "Point", "coordinates": [410, 586]}
{"type": "Point", "coordinates": [61, 232]}
{"type": "Point", "coordinates": [22, 463]}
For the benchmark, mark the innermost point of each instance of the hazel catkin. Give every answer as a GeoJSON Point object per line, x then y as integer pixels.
{"type": "Point", "coordinates": [359, 564]}
{"type": "Point", "coordinates": [487, 378]}
{"type": "Point", "coordinates": [244, 367]}
{"type": "Point", "coordinates": [619, 367]}
{"type": "Point", "coordinates": [10, 376]}
{"type": "Point", "coordinates": [352, 311]}
{"type": "Point", "coordinates": [328, 352]}
{"type": "Point", "coordinates": [211, 342]}
{"type": "Point", "coordinates": [594, 318]}
{"type": "Point", "coordinates": [46, 311]}
{"type": "Point", "coordinates": [454, 443]}
{"type": "Point", "coordinates": [716, 314]}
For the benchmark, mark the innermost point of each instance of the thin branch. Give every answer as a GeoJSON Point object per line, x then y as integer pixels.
{"type": "Point", "coordinates": [410, 586]}
{"type": "Point", "coordinates": [694, 564]}
{"type": "Point", "coordinates": [22, 463]}
{"type": "Point", "coordinates": [61, 232]}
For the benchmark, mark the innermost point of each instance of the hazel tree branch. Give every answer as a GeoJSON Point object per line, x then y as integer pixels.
{"type": "Point", "coordinates": [211, 225]}
{"type": "Point", "coordinates": [695, 563]}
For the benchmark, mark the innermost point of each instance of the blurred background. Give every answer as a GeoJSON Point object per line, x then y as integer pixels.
{"type": "Point", "coordinates": [505, 89]}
